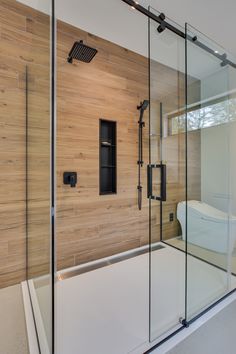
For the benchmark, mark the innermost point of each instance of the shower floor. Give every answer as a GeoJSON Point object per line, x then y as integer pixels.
{"type": "Point", "coordinates": [218, 259]}
{"type": "Point", "coordinates": [106, 310]}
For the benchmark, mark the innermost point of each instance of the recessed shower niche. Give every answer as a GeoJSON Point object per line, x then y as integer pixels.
{"type": "Point", "coordinates": [108, 159]}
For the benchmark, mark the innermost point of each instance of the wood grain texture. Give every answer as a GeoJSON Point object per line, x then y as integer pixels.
{"type": "Point", "coordinates": [24, 41]}
{"type": "Point", "coordinates": [90, 226]}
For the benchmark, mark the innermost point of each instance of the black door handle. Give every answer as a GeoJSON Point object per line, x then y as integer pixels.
{"type": "Point", "coordinates": [150, 195]}
{"type": "Point", "coordinates": [163, 182]}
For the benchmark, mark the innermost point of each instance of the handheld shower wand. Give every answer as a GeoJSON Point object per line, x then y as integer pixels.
{"type": "Point", "coordinates": [142, 108]}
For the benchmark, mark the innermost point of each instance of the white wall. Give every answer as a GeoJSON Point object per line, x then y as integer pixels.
{"type": "Point", "coordinates": [218, 176]}
{"type": "Point", "coordinates": [218, 145]}
{"type": "Point", "coordinates": [41, 5]}
{"type": "Point", "coordinates": [215, 166]}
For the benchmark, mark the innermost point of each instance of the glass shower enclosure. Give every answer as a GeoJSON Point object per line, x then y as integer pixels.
{"type": "Point", "coordinates": [191, 175]}
{"type": "Point", "coordinates": [168, 180]}
{"type": "Point", "coordinates": [210, 229]}
{"type": "Point", "coordinates": [40, 175]}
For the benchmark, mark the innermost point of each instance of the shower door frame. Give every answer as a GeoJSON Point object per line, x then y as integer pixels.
{"type": "Point", "coordinates": [185, 323]}
{"type": "Point", "coordinates": [215, 53]}
{"type": "Point", "coordinates": [53, 154]}
{"type": "Point", "coordinates": [171, 332]}
{"type": "Point", "coordinates": [52, 190]}
{"type": "Point", "coordinates": [53, 167]}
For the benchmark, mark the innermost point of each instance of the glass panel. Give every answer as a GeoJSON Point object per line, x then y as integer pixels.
{"type": "Point", "coordinates": [232, 171]}
{"type": "Point", "coordinates": [167, 148]}
{"type": "Point", "coordinates": [210, 130]}
{"type": "Point", "coordinates": [38, 203]}
{"type": "Point", "coordinates": [105, 302]}
{"type": "Point", "coordinates": [25, 174]}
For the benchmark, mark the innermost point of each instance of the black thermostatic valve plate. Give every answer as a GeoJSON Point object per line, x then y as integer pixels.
{"type": "Point", "coordinates": [70, 178]}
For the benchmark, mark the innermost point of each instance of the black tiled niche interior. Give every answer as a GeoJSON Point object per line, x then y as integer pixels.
{"type": "Point", "coordinates": [107, 141]}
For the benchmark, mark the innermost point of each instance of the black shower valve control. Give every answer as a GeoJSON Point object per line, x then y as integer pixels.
{"type": "Point", "coordinates": [70, 178]}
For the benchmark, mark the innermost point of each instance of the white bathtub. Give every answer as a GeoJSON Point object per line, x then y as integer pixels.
{"type": "Point", "coordinates": [207, 227]}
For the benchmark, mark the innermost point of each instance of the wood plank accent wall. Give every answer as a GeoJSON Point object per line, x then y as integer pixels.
{"type": "Point", "coordinates": [24, 41]}
{"type": "Point", "coordinates": [89, 226]}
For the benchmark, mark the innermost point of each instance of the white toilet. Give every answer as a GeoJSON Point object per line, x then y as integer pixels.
{"type": "Point", "coordinates": [207, 227]}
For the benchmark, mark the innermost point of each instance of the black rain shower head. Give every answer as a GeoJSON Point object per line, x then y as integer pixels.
{"type": "Point", "coordinates": [143, 105]}
{"type": "Point", "coordinates": [81, 52]}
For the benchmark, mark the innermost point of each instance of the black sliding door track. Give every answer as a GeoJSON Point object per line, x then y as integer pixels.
{"type": "Point", "coordinates": [158, 19]}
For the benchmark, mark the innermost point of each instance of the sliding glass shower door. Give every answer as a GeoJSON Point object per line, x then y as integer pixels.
{"type": "Point", "coordinates": [166, 181]}
{"type": "Point", "coordinates": [210, 229]}
{"type": "Point", "coordinates": [191, 176]}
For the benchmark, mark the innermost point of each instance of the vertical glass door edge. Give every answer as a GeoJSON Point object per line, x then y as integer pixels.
{"type": "Point", "coordinates": [210, 121]}
{"type": "Point", "coordinates": [40, 174]}
{"type": "Point", "coordinates": [167, 181]}
{"type": "Point", "coordinates": [192, 134]}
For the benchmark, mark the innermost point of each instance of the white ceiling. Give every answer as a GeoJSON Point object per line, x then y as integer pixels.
{"type": "Point", "coordinates": [117, 22]}
{"type": "Point", "coordinates": [215, 18]}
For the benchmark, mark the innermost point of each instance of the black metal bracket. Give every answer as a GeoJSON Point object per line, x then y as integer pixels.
{"type": "Point", "coordinates": [224, 60]}
{"type": "Point", "coordinates": [185, 323]}
{"type": "Point", "coordinates": [162, 25]}
{"type": "Point", "coordinates": [141, 124]}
